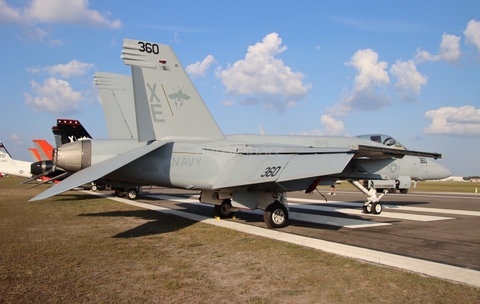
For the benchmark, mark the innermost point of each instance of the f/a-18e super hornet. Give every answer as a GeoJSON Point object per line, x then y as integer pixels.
{"type": "Point", "coordinates": [179, 145]}
{"type": "Point", "coordinates": [116, 92]}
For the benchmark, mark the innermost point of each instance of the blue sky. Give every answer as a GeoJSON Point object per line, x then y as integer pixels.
{"type": "Point", "coordinates": [410, 69]}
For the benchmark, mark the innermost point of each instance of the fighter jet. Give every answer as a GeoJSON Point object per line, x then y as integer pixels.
{"type": "Point", "coordinates": [179, 145]}
{"type": "Point", "coordinates": [116, 93]}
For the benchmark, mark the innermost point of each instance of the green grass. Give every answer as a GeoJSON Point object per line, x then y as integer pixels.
{"type": "Point", "coordinates": [78, 248]}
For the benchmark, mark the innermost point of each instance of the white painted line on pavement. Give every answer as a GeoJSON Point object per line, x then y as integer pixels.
{"type": "Point", "coordinates": [311, 218]}
{"type": "Point", "coordinates": [393, 207]}
{"type": "Point", "coordinates": [453, 273]}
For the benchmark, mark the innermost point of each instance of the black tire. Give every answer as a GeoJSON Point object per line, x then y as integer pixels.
{"type": "Point", "coordinates": [224, 209]}
{"type": "Point", "coordinates": [132, 194]}
{"type": "Point", "coordinates": [276, 216]}
{"type": "Point", "coordinates": [377, 208]}
{"type": "Point", "coordinates": [119, 193]}
{"type": "Point", "coordinates": [404, 191]}
{"type": "Point", "coordinates": [367, 209]}
{"type": "Point", "coordinates": [392, 190]}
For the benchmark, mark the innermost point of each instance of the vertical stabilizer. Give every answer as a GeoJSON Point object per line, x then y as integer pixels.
{"type": "Point", "coordinates": [116, 92]}
{"type": "Point", "coordinates": [167, 104]}
{"type": "Point", "coordinates": [34, 154]}
{"type": "Point", "coordinates": [44, 149]}
{"type": "Point", "coordinates": [69, 130]}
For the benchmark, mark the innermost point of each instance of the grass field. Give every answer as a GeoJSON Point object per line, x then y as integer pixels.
{"type": "Point", "coordinates": [77, 248]}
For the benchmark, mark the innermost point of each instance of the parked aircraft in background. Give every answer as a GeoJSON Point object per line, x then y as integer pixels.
{"type": "Point", "coordinates": [179, 145]}
{"type": "Point", "coordinates": [42, 151]}
{"type": "Point", "coordinates": [65, 131]}
{"type": "Point", "coordinates": [11, 166]}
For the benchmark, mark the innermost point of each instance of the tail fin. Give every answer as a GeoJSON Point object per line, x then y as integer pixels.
{"type": "Point", "coordinates": [35, 155]}
{"type": "Point", "coordinates": [116, 92]}
{"type": "Point", "coordinates": [44, 149]}
{"type": "Point", "coordinates": [4, 151]}
{"type": "Point", "coordinates": [68, 130]}
{"type": "Point", "coordinates": [167, 105]}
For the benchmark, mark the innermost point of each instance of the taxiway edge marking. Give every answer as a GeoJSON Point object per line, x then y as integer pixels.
{"type": "Point", "coordinates": [443, 271]}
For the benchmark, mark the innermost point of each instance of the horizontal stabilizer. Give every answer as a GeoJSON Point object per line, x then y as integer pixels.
{"type": "Point", "coordinates": [97, 171]}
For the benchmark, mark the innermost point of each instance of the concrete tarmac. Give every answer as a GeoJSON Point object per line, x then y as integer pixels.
{"type": "Point", "coordinates": [441, 228]}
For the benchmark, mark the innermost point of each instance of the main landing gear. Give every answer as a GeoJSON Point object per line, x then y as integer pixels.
{"type": "Point", "coordinates": [276, 216]}
{"type": "Point", "coordinates": [275, 205]}
{"type": "Point", "coordinates": [131, 193]}
{"type": "Point", "coordinates": [225, 209]}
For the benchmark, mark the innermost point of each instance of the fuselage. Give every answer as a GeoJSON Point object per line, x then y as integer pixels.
{"type": "Point", "coordinates": [194, 164]}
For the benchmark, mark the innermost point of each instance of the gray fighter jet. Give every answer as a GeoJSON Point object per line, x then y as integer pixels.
{"type": "Point", "coordinates": [116, 91]}
{"type": "Point", "coordinates": [179, 145]}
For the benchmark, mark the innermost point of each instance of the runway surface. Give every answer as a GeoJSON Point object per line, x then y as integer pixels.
{"type": "Point", "coordinates": [442, 229]}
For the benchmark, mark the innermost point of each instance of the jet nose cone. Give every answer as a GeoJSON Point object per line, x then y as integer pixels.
{"type": "Point", "coordinates": [442, 172]}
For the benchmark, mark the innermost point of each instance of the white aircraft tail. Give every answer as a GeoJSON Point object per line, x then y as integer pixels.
{"type": "Point", "coordinates": [167, 105]}
{"type": "Point", "coordinates": [116, 93]}
{"type": "Point", "coordinates": [13, 167]}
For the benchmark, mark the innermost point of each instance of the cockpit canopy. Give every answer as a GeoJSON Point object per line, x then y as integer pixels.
{"type": "Point", "coordinates": [383, 139]}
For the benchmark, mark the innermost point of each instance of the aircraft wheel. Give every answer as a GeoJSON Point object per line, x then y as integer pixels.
{"type": "Point", "coordinates": [224, 209]}
{"type": "Point", "coordinates": [404, 191]}
{"type": "Point", "coordinates": [367, 209]}
{"type": "Point", "coordinates": [377, 208]}
{"type": "Point", "coordinates": [94, 188]}
{"type": "Point", "coordinates": [119, 193]}
{"type": "Point", "coordinates": [132, 194]}
{"type": "Point", "coordinates": [276, 216]}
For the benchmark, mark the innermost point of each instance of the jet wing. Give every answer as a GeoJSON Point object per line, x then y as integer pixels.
{"type": "Point", "coordinates": [249, 169]}
{"type": "Point", "coordinates": [97, 171]}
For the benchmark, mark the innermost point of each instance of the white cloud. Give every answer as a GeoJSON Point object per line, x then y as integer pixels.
{"type": "Point", "coordinates": [472, 33]}
{"type": "Point", "coordinates": [228, 102]}
{"type": "Point", "coordinates": [449, 50]}
{"type": "Point", "coordinates": [450, 120]}
{"type": "Point", "coordinates": [331, 125]}
{"type": "Point", "coordinates": [9, 14]}
{"type": "Point", "coordinates": [16, 139]}
{"type": "Point", "coordinates": [266, 77]}
{"type": "Point", "coordinates": [408, 78]}
{"type": "Point", "coordinates": [72, 11]}
{"type": "Point", "coordinates": [55, 95]}
{"type": "Point", "coordinates": [51, 12]}
{"type": "Point", "coordinates": [56, 42]}
{"type": "Point", "coordinates": [71, 69]}
{"type": "Point", "coordinates": [199, 68]}
{"type": "Point", "coordinates": [370, 73]}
